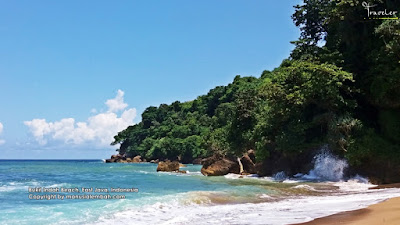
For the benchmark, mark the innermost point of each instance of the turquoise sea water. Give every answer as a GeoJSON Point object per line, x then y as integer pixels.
{"type": "Point", "coordinates": [17, 176]}
{"type": "Point", "coordinates": [162, 198]}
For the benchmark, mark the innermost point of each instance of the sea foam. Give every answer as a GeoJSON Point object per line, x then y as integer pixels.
{"type": "Point", "coordinates": [287, 211]}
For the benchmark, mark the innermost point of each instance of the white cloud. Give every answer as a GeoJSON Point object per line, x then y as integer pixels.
{"type": "Point", "coordinates": [98, 129]}
{"type": "Point", "coordinates": [116, 104]}
{"type": "Point", "coordinates": [1, 131]}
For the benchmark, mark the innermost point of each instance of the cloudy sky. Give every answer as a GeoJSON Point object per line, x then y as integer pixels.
{"type": "Point", "coordinates": [74, 73]}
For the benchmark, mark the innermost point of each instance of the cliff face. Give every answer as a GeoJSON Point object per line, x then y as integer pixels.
{"type": "Point", "coordinates": [289, 164]}
{"type": "Point", "coordinates": [379, 172]}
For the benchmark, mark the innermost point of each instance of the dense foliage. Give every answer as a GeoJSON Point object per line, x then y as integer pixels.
{"type": "Point", "coordinates": [340, 86]}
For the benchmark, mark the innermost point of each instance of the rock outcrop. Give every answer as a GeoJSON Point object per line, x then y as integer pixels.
{"type": "Point", "coordinates": [219, 166]}
{"type": "Point", "coordinates": [248, 162]}
{"type": "Point", "coordinates": [168, 166]}
{"type": "Point", "coordinates": [287, 163]}
{"type": "Point", "coordinates": [197, 161]}
{"type": "Point", "coordinates": [378, 172]}
{"type": "Point", "coordinates": [137, 159]}
{"type": "Point", "coordinates": [115, 158]}
{"type": "Point", "coordinates": [154, 161]}
{"type": "Point", "coordinates": [123, 159]}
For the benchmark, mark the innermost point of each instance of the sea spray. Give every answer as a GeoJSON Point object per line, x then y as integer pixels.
{"type": "Point", "coordinates": [327, 166]}
{"type": "Point", "coordinates": [280, 176]}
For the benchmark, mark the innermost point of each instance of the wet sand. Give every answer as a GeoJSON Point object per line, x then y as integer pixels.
{"type": "Point", "coordinates": [387, 212]}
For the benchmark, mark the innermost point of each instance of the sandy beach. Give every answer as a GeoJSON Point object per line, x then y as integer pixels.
{"type": "Point", "coordinates": [387, 212]}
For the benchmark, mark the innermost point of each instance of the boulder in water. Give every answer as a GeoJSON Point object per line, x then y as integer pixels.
{"type": "Point", "coordinates": [168, 166]}
{"type": "Point", "coordinates": [154, 161]}
{"type": "Point", "coordinates": [115, 156]}
{"type": "Point", "coordinates": [137, 159]}
{"type": "Point", "coordinates": [219, 166]}
{"type": "Point", "coordinates": [121, 161]}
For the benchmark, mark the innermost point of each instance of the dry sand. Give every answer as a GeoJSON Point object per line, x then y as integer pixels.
{"type": "Point", "coordinates": [387, 212]}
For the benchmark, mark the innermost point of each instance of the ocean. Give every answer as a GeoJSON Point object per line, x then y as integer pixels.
{"type": "Point", "coordinates": [169, 198]}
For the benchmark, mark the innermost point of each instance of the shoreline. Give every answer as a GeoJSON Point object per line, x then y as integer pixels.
{"type": "Point", "coordinates": [385, 212]}
{"type": "Point", "coordinates": [221, 200]}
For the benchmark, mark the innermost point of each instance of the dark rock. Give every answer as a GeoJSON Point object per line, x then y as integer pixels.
{"type": "Point", "coordinates": [121, 160]}
{"type": "Point", "coordinates": [197, 161]}
{"type": "Point", "coordinates": [248, 165]}
{"type": "Point", "coordinates": [219, 166]}
{"type": "Point", "coordinates": [378, 171]}
{"type": "Point", "coordinates": [288, 163]}
{"type": "Point", "coordinates": [116, 158]}
{"type": "Point", "coordinates": [210, 160]}
{"type": "Point", "coordinates": [182, 171]}
{"type": "Point", "coordinates": [168, 166]}
{"type": "Point", "coordinates": [252, 155]}
{"type": "Point", "coordinates": [154, 161]}
{"type": "Point", "coordinates": [273, 165]}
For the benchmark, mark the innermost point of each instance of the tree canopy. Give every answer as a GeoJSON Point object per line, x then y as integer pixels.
{"type": "Point", "coordinates": [340, 86]}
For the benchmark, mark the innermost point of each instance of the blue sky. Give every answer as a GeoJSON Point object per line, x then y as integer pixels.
{"type": "Point", "coordinates": [73, 71]}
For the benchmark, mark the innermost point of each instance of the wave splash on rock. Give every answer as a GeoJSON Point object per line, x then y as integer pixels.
{"type": "Point", "coordinates": [327, 167]}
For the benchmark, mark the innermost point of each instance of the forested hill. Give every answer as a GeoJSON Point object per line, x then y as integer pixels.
{"type": "Point", "coordinates": [340, 86]}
